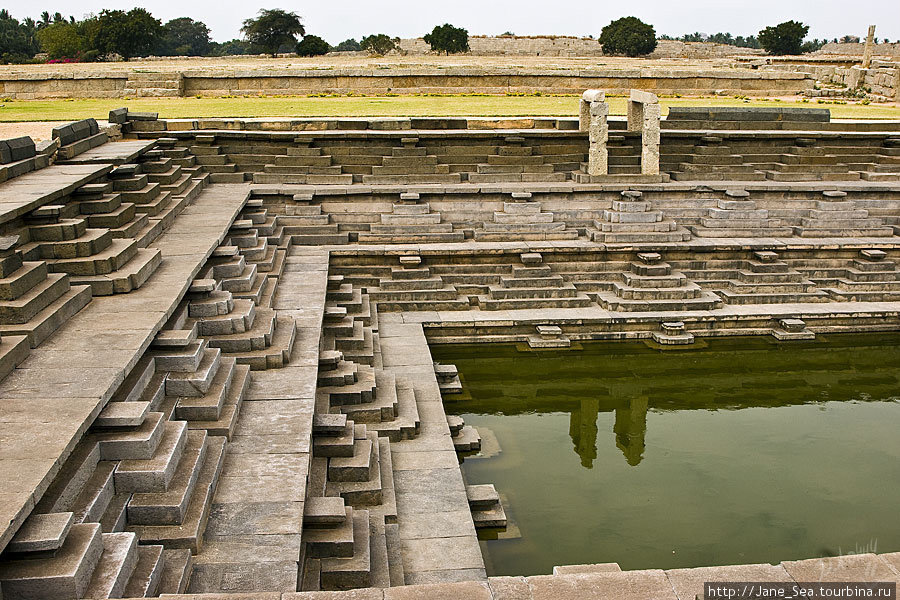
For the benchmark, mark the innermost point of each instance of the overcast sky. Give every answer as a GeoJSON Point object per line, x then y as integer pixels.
{"type": "Point", "coordinates": [337, 20]}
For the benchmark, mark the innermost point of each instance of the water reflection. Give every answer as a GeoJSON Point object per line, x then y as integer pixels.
{"type": "Point", "coordinates": [631, 429]}
{"type": "Point", "coordinates": [629, 379]}
{"type": "Point", "coordinates": [772, 451]}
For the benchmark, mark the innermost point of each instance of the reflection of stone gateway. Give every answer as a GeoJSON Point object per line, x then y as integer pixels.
{"type": "Point", "coordinates": [583, 430]}
{"type": "Point", "coordinates": [631, 429]}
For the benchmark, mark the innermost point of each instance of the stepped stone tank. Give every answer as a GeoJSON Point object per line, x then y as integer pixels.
{"type": "Point", "coordinates": [214, 333]}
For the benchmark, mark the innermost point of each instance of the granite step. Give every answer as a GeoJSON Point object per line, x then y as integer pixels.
{"type": "Point", "coordinates": [176, 571]}
{"type": "Point", "coordinates": [208, 407]}
{"type": "Point", "coordinates": [405, 425]}
{"type": "Point", "coordinates": [198, 381]}
{"type": "Point", "coordinates": [168, 507]}
{"type": "Point", "coordinates": [381, 408]}
{"type": "Point", "coordinates": [355, 571]}
{"type": "Point", "coordinates": [189, 534]}
{"type": "Point", "coordinates": [275, 355]}
{"type": "Point", "coordinates": [342, 444]}
{"type": "Point", "coordinates": [65, 575]}
{"type": "Point", "coordinates": [154, 474]}
{"type": "Point", "coordinates": [147, 574]}
{"type": "Point", "coordinates": [225, 424]}
{"type": "Point", "coordinates": [41, 533]}
{"type": "Point", "coordinates": [115, 567]}
{"type": "Point", "coordinates": [335, 541]}
{"type": "Point", "coordinates": [132, 443]}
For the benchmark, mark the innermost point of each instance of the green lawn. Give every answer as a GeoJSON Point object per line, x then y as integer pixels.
{"type": "Point", "coordinates": [378, 106]}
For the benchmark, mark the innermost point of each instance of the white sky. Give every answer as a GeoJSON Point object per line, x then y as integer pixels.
{"type": "Point", "coordinates": [338, 20]}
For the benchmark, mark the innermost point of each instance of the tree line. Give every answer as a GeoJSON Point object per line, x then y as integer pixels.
{"type": "Point", "coordinates": [137, 33]}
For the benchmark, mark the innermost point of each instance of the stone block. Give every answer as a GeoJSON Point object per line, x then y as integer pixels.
{"type": "Point", "coordinates": [471, 590]}
{"type": "Point", "coordinates": [142, 116]}
{"type": "Point", "coordinates": [65, 134]}
{"type": "Point", "coordinates": [42, 532]}
{"type": "Point", "coordinates": [20, 148]}
{"type": "Point", "coordinates": [118, 116]}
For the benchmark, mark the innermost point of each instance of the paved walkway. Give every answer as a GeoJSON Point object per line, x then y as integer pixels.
{"type": "Point", "coordinates": [253, 538]}
{"type": "Point", "coordinates": [607, 582]}
{"type": "Point", "coordinates": [49, 401]}
{"type": "Point", "coordinates": [437, 536]}
{"type": "Point", "coordinates": [116, 153]}
{"type": "Point", "coordinates": [27, 192]}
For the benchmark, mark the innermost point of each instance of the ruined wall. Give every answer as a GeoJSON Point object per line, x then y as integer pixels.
{"type": "Point", "coordinates": [576, 46]}
{"type": "Point", "coordinates": [221, 82]}
{"type": "Point", "coordinates": [856, 49]}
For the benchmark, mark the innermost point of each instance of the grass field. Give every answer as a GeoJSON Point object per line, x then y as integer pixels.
{"type": "Point", "coordinates": [380, 106]}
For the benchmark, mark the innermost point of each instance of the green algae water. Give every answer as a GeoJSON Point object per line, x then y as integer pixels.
{"type": "Point", "coordinates": [743, 450]}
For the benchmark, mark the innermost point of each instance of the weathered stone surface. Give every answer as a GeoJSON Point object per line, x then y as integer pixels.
{"type": "Point", "coordinates": [626, 585]}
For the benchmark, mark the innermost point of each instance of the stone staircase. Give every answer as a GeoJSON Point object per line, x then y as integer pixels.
{"type": "Point", "coordinates": [763, 279]}
{"type": "Point", "coordinates": [887, 162]}
{"type": "Point", "coordinates": [307, 225]}
{"type": "Point", "coordinates": [515, 161]}
{"type": "Point", "coordinates": [350, 532]}
{"type": "Point", "coordinates": [835, 216]}
{"type": "Point", "coordinates": [737, 216]}
{"type": "Point", "coordinates": [523, 219]}
{"type": "Point", "coordinates": [415, 287]}
{"type": "Point", "coordinates": [409, 163]}
{"type": "Point", "coordinates": [870, 277]}
{"type": "Point", "coordinates": [532, 285]}
{"type": "Point", "coordinates": [212, 160]}
{"type": "Point", "coordinates": [34, 303]}
{"type": "Point", "coordinates": [303, 164]}
{"type": "Point", "coordinates": [410, 222]}
{"type": "Point", "coordinates": [652, 285]}
{"type": "Point", "coordinates": [99, 233]}
{"type": "Point", "coordinates": [631, 220]}
{"type": "Point", "coordinates": [148, 84]}
{"type": "Point", "coordinates": [129, 506]}
{"type": "Point", "coordinates": [711, 160]}
{"type": "Point", "coordinates": [230, 303]}
{"type": "Point", "coordinates": [810, 159]}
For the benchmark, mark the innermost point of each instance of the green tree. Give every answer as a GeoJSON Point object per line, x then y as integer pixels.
{"type": "Point", "coordinates": [629, 36]}
{"type": "Point", "coordinates": [62, 40]}
{"type": "Point", "coordinates": [312, 45]}
{"type": "Point", "coordinates": [130, 34]}
{"type": "Point", "coordinates": [379, 44]}
{"type": "Point", "coordinates": [18, 41]}
{"type": "Point", "coordinates": [350, 45]}
{"type": "Point", "coordinates": [185, 37]}
{"type": "Point", "coordinates": [448, 39]}
{"type": "Point", "coordinates": [229, 48]}
{"type": "Point", "coordinates": [784, 38]}
{"type": "Point", "coordinates": [273, 30]}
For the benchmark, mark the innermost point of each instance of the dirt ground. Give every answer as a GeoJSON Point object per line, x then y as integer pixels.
{"type": "Point", "coordinates": [387, 62]}
{"type": "Point", "coordinates": [37, 130]}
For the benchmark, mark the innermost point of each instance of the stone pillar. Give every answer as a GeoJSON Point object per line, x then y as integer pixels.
{"type": "Point", "coordinates": [650, 140]}
{"type": "Point", "coordinates": [584, 112]}
{"type": "Point", "coordinates": [644, 116]}
{"type": "Point", "coordinates": [598, 134]}
{"type": "Point", "coordinates": [635, 115]}
{"type": "Point", "coordinates": [867, 53]}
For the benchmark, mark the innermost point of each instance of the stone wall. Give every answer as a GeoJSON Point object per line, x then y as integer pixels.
{"type": "Point", "coordinates": [856, 49]}
{"type": "Point", "coordinates": [882, 79]}
{"type": "Point", "coordinates": [576, 46]}
{"type": "Point", "coordinates": [412, 81]}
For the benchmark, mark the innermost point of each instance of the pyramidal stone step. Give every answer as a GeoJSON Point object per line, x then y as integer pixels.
{"type": "Point", "coordinates": [42, 533]}
{"type": "Point", "coordinates": [64, 575]}
{"type": "Point", "coordinates": [115, 566]}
